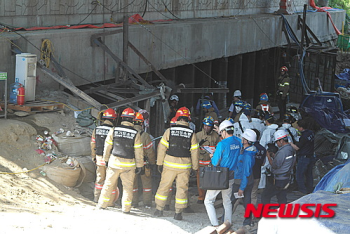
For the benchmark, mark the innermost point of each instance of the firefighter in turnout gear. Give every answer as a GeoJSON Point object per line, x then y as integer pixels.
{"type": "Point", "coordinates": [124, 153]}
{"type": "Point", "coordinates": [178, 152]}
{"type": "Point", "coordinates": [264, 104]}
{"type": "Point", "coordinates": [97, 144]}
{"type": "Point", "coordinates": [149, 158]}
{"type": "Point", "coordinates": [206, 137]}
{"type": "Point", "coordinates": [283, 90]}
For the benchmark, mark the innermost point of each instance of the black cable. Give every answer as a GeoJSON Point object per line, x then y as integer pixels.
{"type": "Point", "coordinates": [166, 7]}
{"type": "Point", "coordinates": [144, 11]}
{"type": "Point", "coordinates": [87, 15]}
{"type": "Point", "coordinates": [159, 11]}
{"type": "Point", "coordinates": [97, 2]}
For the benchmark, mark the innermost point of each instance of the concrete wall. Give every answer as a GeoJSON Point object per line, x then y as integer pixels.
{"type": "Point", "coordinates": [29, 13]}
{"type": "Point", "coordinates": [166, 45]}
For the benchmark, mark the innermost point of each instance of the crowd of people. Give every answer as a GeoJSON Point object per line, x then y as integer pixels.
{"type": "Point", "coordinates": [259, 154]}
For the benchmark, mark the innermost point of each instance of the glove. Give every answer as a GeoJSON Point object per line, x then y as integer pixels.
{"type": "Point", "coordinates": [106, 163]}
{"type": "Point", "coordinates": [94, 160]}
{"type": "Point", "coordinates": [160, 169]}
{"type": "Point", "coordinates": [138, 170]}
{"type": "Point", "coordinates": [193, 173]}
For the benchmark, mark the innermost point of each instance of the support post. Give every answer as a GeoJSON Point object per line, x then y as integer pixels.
{"type": "Point", "coordinates": [125, 43]}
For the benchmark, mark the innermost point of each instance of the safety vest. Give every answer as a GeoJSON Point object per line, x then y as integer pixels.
{"type": "Point", "coordinates": [180, 141]}
{"type": "Point", "coordinates": [124, 141]}
{"type": "Point", "coordinates": [101, 133]}
{"type": "Point", "coordinates": [265, 107]}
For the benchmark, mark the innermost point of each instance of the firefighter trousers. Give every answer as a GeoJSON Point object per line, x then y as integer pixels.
{"type": "Point", "coordinates": [100, 179]}
{"type": "Point", "coordinates": [146, 180]}
{"type": "Point", "coordinates": [127, 177]}
{"type": "Point", "coordinates": [182, 179]}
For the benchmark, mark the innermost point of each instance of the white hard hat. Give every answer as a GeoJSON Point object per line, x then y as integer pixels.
{"type": "Point", "coordinates": [226, 125]}
{"type": "Point", "coordinates": [280, 134]}
{"type": "Point", "coordinates": [237, 93]}
{"type": "Point", "coordinates": [174, 97]}
{"type": "Point", "coordinates": [250, 135]}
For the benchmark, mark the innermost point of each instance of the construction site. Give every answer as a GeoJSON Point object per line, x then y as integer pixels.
{"type": "Point", "coordinates": [63, 63]}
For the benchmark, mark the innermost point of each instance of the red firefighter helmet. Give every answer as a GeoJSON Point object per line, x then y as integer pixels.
{"type": "Point", "coordinates": [109, 114]}
{"type": "Point", "coordinates": [183, 112]}
{"type": "Point", "coordinates": [128, 113]}
{"type": "Point", "coordinates": [173, 121]}
{"type": "Point", "coordinates": [284, 68]}
{"type": "Point", "coordinates": [139, 117]}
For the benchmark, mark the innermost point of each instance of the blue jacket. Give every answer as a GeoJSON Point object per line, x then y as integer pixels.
{"type": "Point", "coordinates": [228, 150]}
{"type": "Point", "coordinates": [244, 166]}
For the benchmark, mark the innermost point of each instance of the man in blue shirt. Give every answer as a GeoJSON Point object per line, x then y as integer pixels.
{"type": "Point", "coordinates": [226, 155]}
{"type": "Point", "coordinates": [244, 181]}
{"type": "Point", "coordinates": [305, 158]}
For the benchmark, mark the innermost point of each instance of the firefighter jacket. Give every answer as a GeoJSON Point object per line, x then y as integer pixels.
{"type": "Point", "coordinates": [148, 150]}
{"type": "Point", "coordinates": [283, 86]}
{"type": "Point", "coordinates": [178, 149]}
{"type": "Point", "coordinates": [211, 140]}
{"type": "Point", "coordinates": [98, 138]}
{"type": "Point", "coordinates": [264, 106]}
{"type": "Point", "coordinates": [241, 126]}
{"type": "Point", "coordinates": [211, 112]}
{"type": "Point", "coordinates": [126, 146]}
{"type": "Point", "coordinates": [267, 135]}
{"type": "Point", "coordinates": [245, 165]}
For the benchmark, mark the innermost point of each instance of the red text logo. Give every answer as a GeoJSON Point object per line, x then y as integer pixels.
{"type": "Point", "coordinates": [290, 210]}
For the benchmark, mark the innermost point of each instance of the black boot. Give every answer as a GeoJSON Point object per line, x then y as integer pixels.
{"type": "Point", "coordinates": [178, 216]}
{"type": "Point", "coordinates": [188, 210]}
{"type": "Point", "coordinates": [158, 213]}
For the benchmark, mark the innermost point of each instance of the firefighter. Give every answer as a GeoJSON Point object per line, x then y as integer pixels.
{"type": "Point", "coordinates": [149, 158]}
{"type": "Point", "coordinates": [178, 152]}
{"type": "Point", "coordinates": [209, 111]}
{"type": "Point", "coordinates": [283, 91]}
{"type": "Point", "coordinates": [206, 137]}
{"type": "Point", "coordinates": [97, 144]}
{"type": "Point", "coordinates": [264, 104]}
{"type": "Point", "coordinates": [124, 153]}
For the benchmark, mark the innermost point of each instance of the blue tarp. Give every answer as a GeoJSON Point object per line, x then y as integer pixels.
{"type": "Point", "coordinates": [345, 75]}
{"type": "Point", "coordinates": [339, 174]}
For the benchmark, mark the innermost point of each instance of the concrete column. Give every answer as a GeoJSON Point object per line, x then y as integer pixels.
{"type": "Point", "coordinates": [234, 75]}
{"type": "Point", "coordinates": [219, 73]}
{"type": "Point", "coordinates": [185, 75]}
{"type": "Point", "coordinates": [248, 77]}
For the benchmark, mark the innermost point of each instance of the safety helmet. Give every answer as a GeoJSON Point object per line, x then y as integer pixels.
{"type": "Point", "coordinates": [293, 109]}
{"type": "Point", "coordinates": [144, 113]}
{"type": "Point", "coordinates": [280, 134]}
{"type": "Point", "coordinates": [247, 106]}
{"type": "Point", "coordinates": [264, 97]}
{"type": "Point", "coordinates": [239, 103]}
{"type": "Point", "coordinates": [173, 121]}
{"type": "Point", "coordinates": [237, 93]}
{"type": "Point", "coordinates": [288, 118]}
{"type": "Point", "coordinates": [174, 97]}
{"type": "Point", "coordinates": [206, 105]}
{"type": "Point", "coordinates": [268, 116]}
{"type": "Point", "coordinates": [250, 135]}
{"type": "Point", "coordinates": [128, 113]}
{"type": "Point", "coordinates": [209, 121]}
{"type": "Point", "coordinates": [139, 117]}
{"type": "Point", "coordinates": [284, 68]}
{"type": "Point", "coordinates": [230, 119]}
{"type": "Point", "coordinates": [183, 112]}
{"type": "Point", "coordinates": [109, 114]}
{"type": "Point", "coordinates": [226, 125]}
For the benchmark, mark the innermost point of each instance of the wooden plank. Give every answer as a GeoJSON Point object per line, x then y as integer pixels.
{"type": "Point", "coordinates": [36, 106]}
